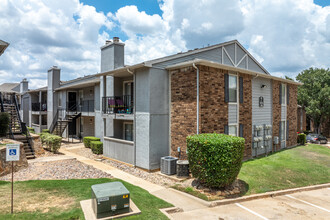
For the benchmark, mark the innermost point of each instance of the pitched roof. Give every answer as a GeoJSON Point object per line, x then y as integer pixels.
{"type": "Point", "coordinates": [3, 46]}
{"type": "Point", "coordinates": [9, 87]}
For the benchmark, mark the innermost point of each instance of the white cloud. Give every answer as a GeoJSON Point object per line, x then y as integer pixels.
{"type": "Point", "coordinates": [286, 36]}
{"type": "Point", "coordinates": [45, 33]}
{"type": "Point", "coordinates": [133, 22]}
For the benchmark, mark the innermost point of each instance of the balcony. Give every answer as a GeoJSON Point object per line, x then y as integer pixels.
{"type": "Point", "coordinates": [117, 104]}
{"type": "Point", "coordinates": [39, 107]}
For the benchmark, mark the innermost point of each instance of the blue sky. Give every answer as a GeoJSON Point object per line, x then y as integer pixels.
{"type": "Point", "coordinates": [285, 36]}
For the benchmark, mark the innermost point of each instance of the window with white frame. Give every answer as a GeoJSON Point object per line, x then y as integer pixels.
{"type": "Point", "coordinates": [232, 130]}
{"type": "Point", "coordinates": [232, 88]}
{"type": "Point", "coordinates": [283, 129]}
{"type": "Point", "coordinates": [283, 94]}
{"type": "Point", "coordinates": [128, 131]}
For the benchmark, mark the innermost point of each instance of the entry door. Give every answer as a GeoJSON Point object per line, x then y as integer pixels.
{"type": "Point", "coordinates": [72, 105]}
{"type": "Point", "coordinates": [72, 126]}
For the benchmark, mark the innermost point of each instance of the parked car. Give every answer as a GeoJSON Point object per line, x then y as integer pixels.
{"type": "Point", "coordinates": [316, 138]}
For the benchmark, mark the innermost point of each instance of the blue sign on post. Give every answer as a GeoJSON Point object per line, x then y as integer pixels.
{"type": "Point", "coordinates": [12, 152]}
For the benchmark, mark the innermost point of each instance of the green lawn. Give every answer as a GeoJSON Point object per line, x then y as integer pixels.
{"type": "Point", "coordinates": [300, 166]}
{"type": "Point", "coordinates": [59, 199]}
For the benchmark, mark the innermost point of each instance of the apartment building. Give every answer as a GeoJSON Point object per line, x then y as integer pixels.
{"type": "Point", "coordinates": [145, 111]}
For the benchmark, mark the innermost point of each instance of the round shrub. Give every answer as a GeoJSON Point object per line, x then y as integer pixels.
{"type": "Point", "coordinates": [97, 147]}
{"type": "Point", "coordinates": [4, 123]}
{"type": "Point", "coordinates": [215, 159]}
{"type": "Point", "coordinates": [88, 139]}
{"type": "Point", "coordinates": [31, 130]}
{"type": "Point", "coordinates": [52, 142]}
{"type": "Point", "coordinates": [45, 131]}
{"type": "Point", "coordinates": [301, 139]}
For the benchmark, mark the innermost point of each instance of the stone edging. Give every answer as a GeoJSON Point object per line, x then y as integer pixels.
{"type": "Point", "coordinates": [168, 211]}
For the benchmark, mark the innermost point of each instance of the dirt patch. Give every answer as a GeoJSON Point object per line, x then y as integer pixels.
{"type": "Point", "coordinates": [194, 187]}
{"type": "Point", "coordinates": [30, 200]}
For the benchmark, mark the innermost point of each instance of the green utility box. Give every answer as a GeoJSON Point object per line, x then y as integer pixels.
{"type": "Point", "coordinates": [110, 199]}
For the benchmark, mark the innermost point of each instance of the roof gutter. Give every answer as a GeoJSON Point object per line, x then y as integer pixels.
{"type": "Point", "coordinates": [124, 69]}
{"type": "Point", "coordinates": [197, 88]}
{"type": "Point", "coordinates": [232, 68]}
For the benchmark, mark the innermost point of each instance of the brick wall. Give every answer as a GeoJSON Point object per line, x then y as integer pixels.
{"type": "Point", "coordinates": [245, 114]}
{"type": "Point", "coordinates": [292, 115]}
{"type": "Point", "coordinates": [213, 109]}
{"type": "Point", "coordinates": [301, 111]}
{"type": "Point", "coordinates": [183, 107]}
{"type": "Point", "coordinates": [276, 110]}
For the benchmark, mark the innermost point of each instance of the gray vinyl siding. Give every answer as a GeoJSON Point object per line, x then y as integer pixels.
{"type": "Point", "coordinates": [262, 115]}
{"type": "Point", "coordinates": [230, 55]}
{"type": "Point", "coordinates": [232, 114]}
{"type": "Point", "coordinates": [212, 55]}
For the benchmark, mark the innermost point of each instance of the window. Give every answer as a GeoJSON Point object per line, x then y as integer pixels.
{"type": "Point", "coordinates": [128, 131]}
{"type": "Point", "coordinates": [283, 94]}
{"type": "Point", "coordinates": [232, 130]}
{"type": "Point", "coordinates": [232, 88]}
{"type": "Point", "coordinates": [60, 99]}
{"type": "Point", "coordinates": [283, 133]}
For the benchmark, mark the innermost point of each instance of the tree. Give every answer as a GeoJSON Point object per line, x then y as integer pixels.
{"type": "Point", "coordinates": [314, 95]}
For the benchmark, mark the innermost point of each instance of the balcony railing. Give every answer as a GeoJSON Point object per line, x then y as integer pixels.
{"type": "Point", "coordinates": [39, 106]}
{"type": "Point", "coordinates": [117, 104]}
{"type": "Point", "coordinates": [84, 106]}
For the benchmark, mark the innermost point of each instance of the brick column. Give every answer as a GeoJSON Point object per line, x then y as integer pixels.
{"type": "Point", "coordinates": [276, 110]}
{"type": "Point", "coordinates": [183, 107]}
{"type": "Point", "coordinates": [245, 114]}
{"type": "Point", "coordinates": [292, 115]}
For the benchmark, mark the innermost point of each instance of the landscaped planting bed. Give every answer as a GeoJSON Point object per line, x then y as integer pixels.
{"type": "Point", "coordinates": [290, 168]}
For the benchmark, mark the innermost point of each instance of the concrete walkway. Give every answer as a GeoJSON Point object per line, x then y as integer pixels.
{"type": "Point", "coordinates": [281, 206]}
{"type": "Point", "coordinates": [181, 200]}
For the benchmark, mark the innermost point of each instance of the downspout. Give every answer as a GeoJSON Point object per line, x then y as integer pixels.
{"type": "Point", "coordinates": [134, 77]}
{"type": "Point", "coordinates": [197, 112]}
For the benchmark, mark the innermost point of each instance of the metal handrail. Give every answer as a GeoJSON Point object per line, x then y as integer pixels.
{"type": "Point", "coordinates": [54, 123]}
{"type": "Point", "coordinates": [24, 128]}
{"type": "Point", "coordinates": [117, 104]}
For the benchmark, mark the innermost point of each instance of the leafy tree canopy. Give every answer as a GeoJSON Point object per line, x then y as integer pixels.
{"type": "Point", "coordinates": [314, 95]}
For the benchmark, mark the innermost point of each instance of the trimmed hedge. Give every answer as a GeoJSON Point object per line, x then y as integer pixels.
{"type": "Point", "coordinates": [97, 147]}
{"type": "Point", "coordinates": [4, 123]}
{"type": "Point", "coordinates": [31, 130]}
{"type": "Point", "coordinates": [301, 139]}
{"type": "Point", "coordinates": [87, 141]}
{"type": "Point", "coordinates": [45, 131]}
{"type": "Point", "coordinates": [52, 142]}
{"type": "Point", "coordinates": [215, 159]}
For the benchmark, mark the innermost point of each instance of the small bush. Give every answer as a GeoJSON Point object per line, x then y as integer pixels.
{"type": "Point", "coordinates": [52, 142]}
{"type": "Point", "coordinates": [87, 141]}
{"type": "Point", "coordinates": [215, 159]}
{"type": "Point", "coordinates": [301, 139]}
{"type": "Point", "coordinates": [97, 147]}
{"type": "Point", "coordinates": [45, 131]}
{"type": "Point", "coordinates": [31, 130]}
{"type": "Point", "coordinates": [4, 123]}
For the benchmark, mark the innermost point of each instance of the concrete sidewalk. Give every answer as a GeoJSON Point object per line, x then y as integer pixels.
{"type": "Point", "coordinates": [181, 200]}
